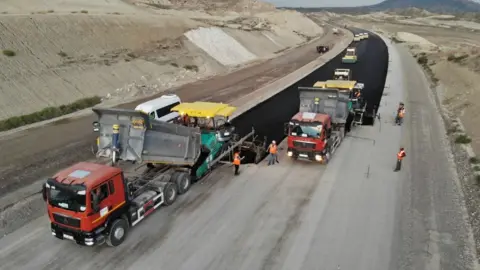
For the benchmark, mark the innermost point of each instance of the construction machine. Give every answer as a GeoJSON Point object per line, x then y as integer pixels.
{"type": "Point", "coordinates": [350, 56]}
{"type": "Point", "coordinates": [357, 104]}
{"type": "Point", "coordinates": [342, 74]}
{"type": "Point", "coordinates": [91, 203]}
{"type": "Point", "coordinates": [316, 131]}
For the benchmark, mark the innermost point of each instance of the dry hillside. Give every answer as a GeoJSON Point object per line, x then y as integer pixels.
{"type": "Point", "coordinates": [56, 52]}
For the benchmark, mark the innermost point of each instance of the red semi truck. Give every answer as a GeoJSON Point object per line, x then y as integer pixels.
{"type": "Point", "coordinates": [315, 132]}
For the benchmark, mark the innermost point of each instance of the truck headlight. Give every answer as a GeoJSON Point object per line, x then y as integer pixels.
{"type": "Point", "coordinates": [318, 158]}
{"type": "Point", "coordinates": [289, 153]}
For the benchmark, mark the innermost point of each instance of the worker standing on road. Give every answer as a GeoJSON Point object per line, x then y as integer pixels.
{"type": "Point", "coordinates": [400, 155]}
{"type": "Point", "coordinates": [236, 162]}
{"type": "Point", "coordinates": [272, 150]}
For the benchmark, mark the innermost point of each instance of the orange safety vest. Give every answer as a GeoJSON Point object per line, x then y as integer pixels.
{"type": "Point", "coordinates": [400, 155]}
{"type": "Point", "coordinates": [236, 159]}
{"type": "Point", "coordinates": [401, 113]}
{"type": "Point", "coordinates": [273, 149]}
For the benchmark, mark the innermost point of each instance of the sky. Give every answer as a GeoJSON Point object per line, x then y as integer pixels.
{"type": "Point", "coordinates": [322, 3]}
{"type": "Point", "coordinates": [326, 3]}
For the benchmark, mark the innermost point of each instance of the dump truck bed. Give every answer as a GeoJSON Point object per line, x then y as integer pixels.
{"type": "Point", "coordinates": [143, 140]}
{"type": "Point", "coordinates": [326, 101]}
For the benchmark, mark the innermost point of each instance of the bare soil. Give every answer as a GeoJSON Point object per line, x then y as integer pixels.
{"type": "Point", "coordinates": [125, 50]}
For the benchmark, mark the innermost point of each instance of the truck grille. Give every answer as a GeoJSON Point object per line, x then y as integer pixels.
{"type": "Point", "coordinates": [69, 221]}
{"type": "Point", "coordinates": [307, 145]}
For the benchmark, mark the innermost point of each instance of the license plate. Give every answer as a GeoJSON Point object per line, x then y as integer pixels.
{"type": "Point", "coordinates": [303, 155]}
{"type": "Point", "coordinates": [69, 237]}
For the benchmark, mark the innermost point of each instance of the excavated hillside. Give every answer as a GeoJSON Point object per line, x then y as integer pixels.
{"type": "Point", "coordinates": [59, 51]}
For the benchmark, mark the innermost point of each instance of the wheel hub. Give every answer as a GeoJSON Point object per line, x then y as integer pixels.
{"type": "Point", "coordinates": [172, 194]}
{"type": "Point", "coordinates": [119, 232]}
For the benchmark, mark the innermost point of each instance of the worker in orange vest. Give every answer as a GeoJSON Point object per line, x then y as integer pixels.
{"type": "Point", "coordinates": [357, 94]}
{"type": "Point", "coordinates": [186, 120]}
{"type": "Point", "coordinates": [236, 162]}
{"type": "Point", "coordinates": [400, 155]}
{"type": "Point", "coordinates": [272, 150]}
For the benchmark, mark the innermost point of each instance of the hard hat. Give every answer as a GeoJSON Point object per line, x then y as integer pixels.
{"type": "Point", "coordinates": [273, 141]}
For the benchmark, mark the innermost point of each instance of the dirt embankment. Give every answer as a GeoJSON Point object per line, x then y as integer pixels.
{"type": "Point", "coordinates": [61, 51]}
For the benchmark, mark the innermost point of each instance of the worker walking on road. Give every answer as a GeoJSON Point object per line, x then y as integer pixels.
{"type": "Point", "coordinates": [400, 155]}
{"type": "Point", "coordinates": [236, 162]}
{"type": "Point", "coordinates": [400, 114]}
{"type": "Point", "coordinates": [272, 150]}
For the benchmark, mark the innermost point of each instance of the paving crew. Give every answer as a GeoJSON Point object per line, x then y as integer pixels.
{"type": "Point", "coordinates": [400, 155]}
{"type": "Point", "coordinates": [272, 150]}
{"type": "Point", "coordinates": [236, 162]}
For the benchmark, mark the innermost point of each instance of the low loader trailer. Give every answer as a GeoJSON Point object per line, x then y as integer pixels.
{"type": "Point", "coordinates": [318, 129]}
{"type": "Point", "coordinates": [92, 204]}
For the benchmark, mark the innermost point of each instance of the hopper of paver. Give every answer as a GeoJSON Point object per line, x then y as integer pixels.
{"type": "Point", "coordinates": [325, 101]}
{"type": "Point", "coordinates": [130, 135]}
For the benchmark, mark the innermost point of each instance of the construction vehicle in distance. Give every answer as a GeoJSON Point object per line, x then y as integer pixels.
{"type": "Point", "coordinates": [92, 203]}
{"type": "Point", "coordinates": [342, 74]}
{"type": "Point", "coordinates": [322, 49]}
{"type": "Point", "coordinates": [357, 37]}
{"type": "Point", "coordinates": [316, 131]}
{"type": "Point", "coordinates": [350, 56]}
{"type": "Point", "coordinates": [335, 31]}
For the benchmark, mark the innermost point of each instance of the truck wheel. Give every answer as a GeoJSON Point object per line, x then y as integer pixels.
{"type": "Point", "coordinates": [182, 180]}
{"type": "Point", "coordinates": [169, 193]}
{"type": "Point", "coordinates": [118, 232]}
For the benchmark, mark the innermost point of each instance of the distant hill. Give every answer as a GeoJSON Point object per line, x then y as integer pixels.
{"type": "Point", "coordinates": [437, 6]}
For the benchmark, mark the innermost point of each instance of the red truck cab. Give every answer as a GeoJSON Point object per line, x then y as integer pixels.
{"type": "Point", "coordinates": [83, 199]}
{"type": "Point", "coordinates": [307, 135]}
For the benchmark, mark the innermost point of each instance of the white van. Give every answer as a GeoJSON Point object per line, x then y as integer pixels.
{"type": "Point", "coordinates": [159, 109]}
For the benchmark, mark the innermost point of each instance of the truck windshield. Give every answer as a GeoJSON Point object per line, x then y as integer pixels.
{"type": "Point", "coordinates": [350, 53]}
{"type": "Point", "coordinates": [70, 197]}
{"type": "Point", "coordinates": [306, 131]}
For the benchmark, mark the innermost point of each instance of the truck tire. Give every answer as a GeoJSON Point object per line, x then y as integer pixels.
{"type": "Point", "coordinates": [169, 193]}
{"type": "Point", "coordinates": [118, 232]}
{"type": "Point", "coordinates": [183, 182]}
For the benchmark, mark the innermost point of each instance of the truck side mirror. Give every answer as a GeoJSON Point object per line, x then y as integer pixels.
{"type": "Point", "coordinates": [96, 126]}
{"type": "Point", "coordinates": [44, 192]}
{"type": "Point", "coordinates": [286, 127]}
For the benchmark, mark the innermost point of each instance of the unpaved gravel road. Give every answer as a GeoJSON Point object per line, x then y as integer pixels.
{"type": "Point", "coordinates": [29, 155]}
